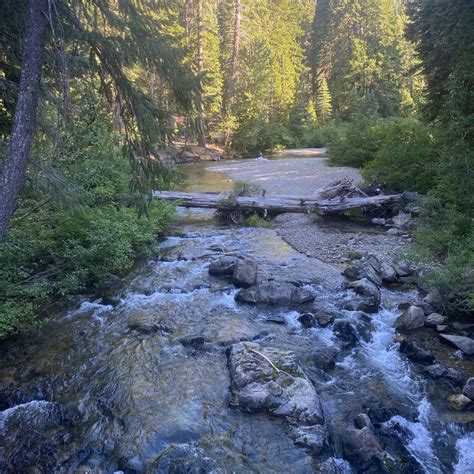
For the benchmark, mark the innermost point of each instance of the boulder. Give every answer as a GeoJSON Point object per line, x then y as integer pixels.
{"type": "Point", "coordinates": [459, 401]}
{"type": "Point", "coordinates": [441, 327]}
{"type": "Point", "coordinates": [369, 291]}
{"type": "Point", "coordinates": [435, 319]}
{"type": "Point", "coordinates": [307, 320]}
{"type": "Point", "coordinates": [465, 344]}
{"type": "Point", "coordinates": [468, 388]}
{"type": "Point", "coordinates": [416, 352]}
{"type": "Point", "coordinates": [412, 318]}
{"type": "Point", "coordinates": [223, 266]}
{"type": "Point", "coordinates": [392, 231]}
{"type": "Point", "coordinates": [379, 221]}
{"type": "Point", "coordinates": [276, 293]}
{"type": "Point", "coordinates": [368, 267]}
{"type": "Point", "coordinates": [269, 379]}
{"type": "Point", "coordinates": [388, 273]}
{"type": "Point", "coordinates": [346, 331]}
{"type": "Point", "coordinates": [245, 274]}
{"type": "Point", "coordinates": [363, 450]}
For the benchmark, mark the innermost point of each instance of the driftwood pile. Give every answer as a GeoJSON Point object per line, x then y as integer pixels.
{"type": "Point", "coordinates": [337, 197]}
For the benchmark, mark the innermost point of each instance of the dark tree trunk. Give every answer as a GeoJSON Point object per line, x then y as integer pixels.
{"type": "Point", "coordinates": [200, 64]}
{"type": "Point", "coordinates": [234, 67]}
{"type": "Point", "coordinates": [18, 152]}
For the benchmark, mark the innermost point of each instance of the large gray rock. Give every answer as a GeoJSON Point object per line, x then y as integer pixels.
{"type": "Point", "coordinates": [223, 266]}
{"type": "Point", "coordinates": [272, 380]}
{"type": "Point", "coordinates": [245, 274]}
{"type": "Point", "coordinates": [468, 388]}
{"type": "Point", "coordinates": [466, 344]}
{"type": "Point", "coordinates": [369, 291]}
{"type": "Point", "coordinates": [368, 267]}
{"type": "Point", "coordinates": [412, 318]}
{"type": "Point", "coordinates": [276, 293]}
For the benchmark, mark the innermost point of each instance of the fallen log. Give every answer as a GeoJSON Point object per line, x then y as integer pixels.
{"type": "Point", "coordinates": [274, 205]}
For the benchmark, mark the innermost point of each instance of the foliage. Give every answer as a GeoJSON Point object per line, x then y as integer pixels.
{"type": "Point", "coordinates": [406, 158]}
{"type": "Point", "coordinates": [255, 220]}
{"type": "Point", "coordinates": [358, 141]}
{"type": "Point", "coordinates": [54, 251]}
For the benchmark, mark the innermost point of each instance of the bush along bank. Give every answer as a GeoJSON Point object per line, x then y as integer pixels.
{"type": "Point", "coordinates": [76, 227]}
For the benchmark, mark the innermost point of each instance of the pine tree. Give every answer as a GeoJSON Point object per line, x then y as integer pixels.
{"type": "Point", "coordinates": [323, 102]}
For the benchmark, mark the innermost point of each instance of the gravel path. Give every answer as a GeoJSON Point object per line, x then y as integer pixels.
{"type": "Point", "coordinates": [334, 241]}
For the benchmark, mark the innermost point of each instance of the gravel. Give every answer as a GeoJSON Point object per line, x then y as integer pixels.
{"type": "Point", "coordinates": [334, 241]}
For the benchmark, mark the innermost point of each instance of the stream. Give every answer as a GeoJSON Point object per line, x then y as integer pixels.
{"type": "Point", "coordinates": [158, 401]}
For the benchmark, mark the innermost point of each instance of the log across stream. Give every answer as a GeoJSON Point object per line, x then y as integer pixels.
{"type": "Point", "coordinates": [275, 205]}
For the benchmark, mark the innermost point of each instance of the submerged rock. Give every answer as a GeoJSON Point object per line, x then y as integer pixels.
{"type": "Point", "coordinates": [466, 344]}
{"type": "Point", "coordinates": [274, 293]}
{"type": "Point", "coordinates": [437, 371]}
{"type": "Point", "coordinates": [412, 318]}
{"type": "Point", "coordinates": [245, 274]}
{"type": "Point", "coordinates": [270, 379]}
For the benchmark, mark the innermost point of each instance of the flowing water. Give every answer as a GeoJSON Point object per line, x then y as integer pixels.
{"type": "Point", "coordinates": [134, 396]}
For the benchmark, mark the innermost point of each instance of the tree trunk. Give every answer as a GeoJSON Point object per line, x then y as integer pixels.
{"type": "Point", "coordinates": [18, 152]}
{"type": "Point", "coordinates": [234, 68]}
{"type": "Point", "coordinates": [200, 64]}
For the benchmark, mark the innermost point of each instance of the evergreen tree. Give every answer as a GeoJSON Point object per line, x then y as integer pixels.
{"type": "Point", "coordinates": [324, 102]}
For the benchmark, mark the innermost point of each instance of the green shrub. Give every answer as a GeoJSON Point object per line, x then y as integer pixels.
{"type": "Point", "coordinates": [406, 158]}
{"type": "Point", "coordinates": [320, 135]}
{"type": "Point", "coordinates": [53, 251]}
{"type": "Point", "coordinates": [357, 142]}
